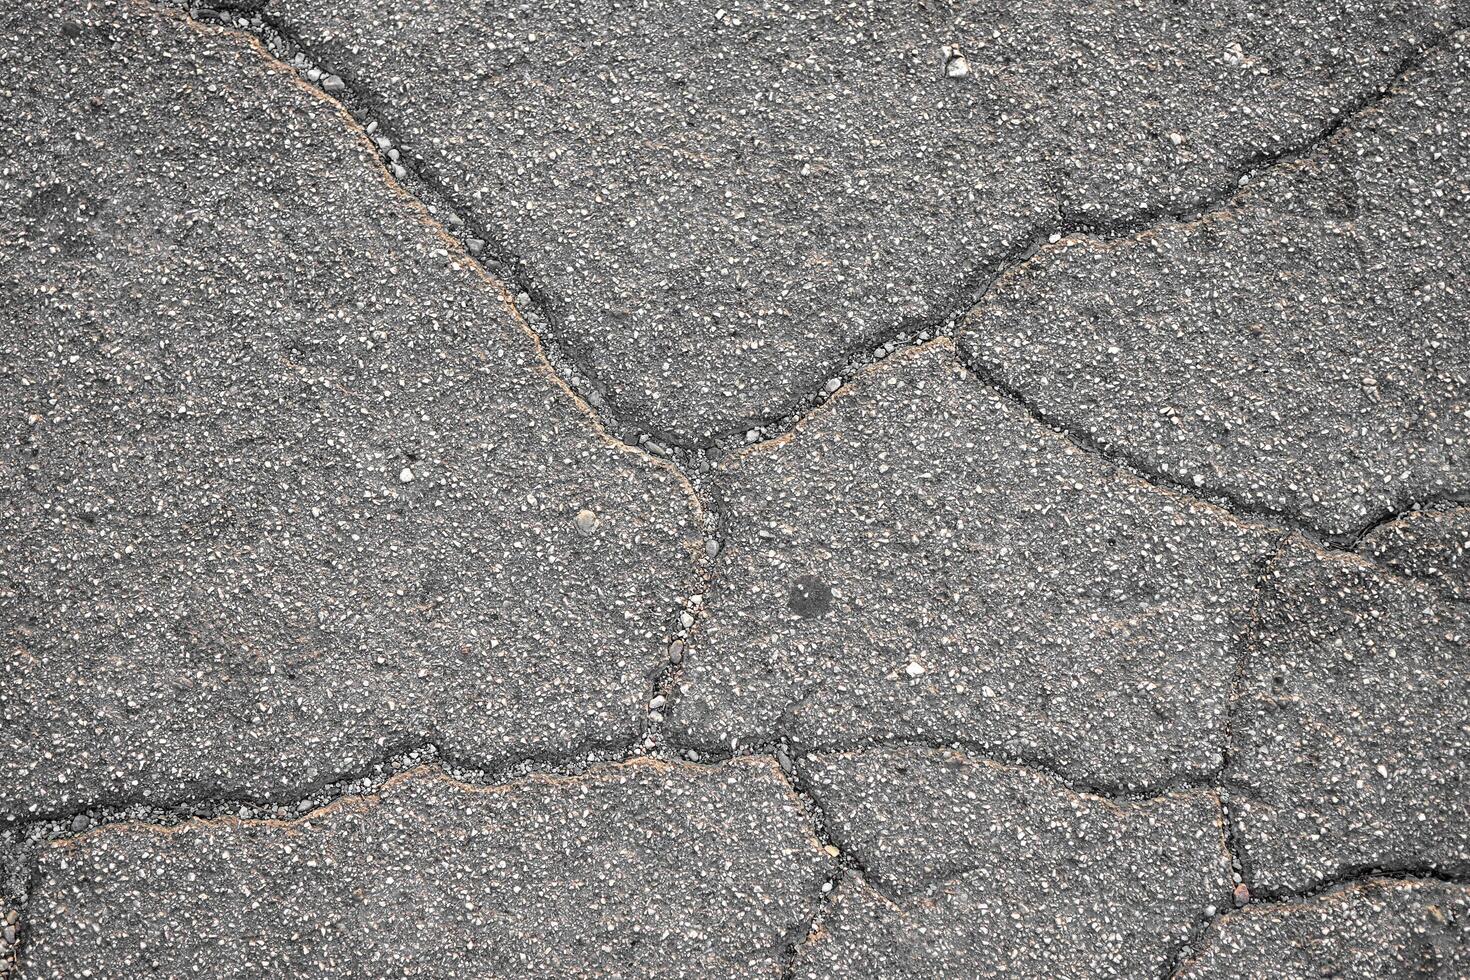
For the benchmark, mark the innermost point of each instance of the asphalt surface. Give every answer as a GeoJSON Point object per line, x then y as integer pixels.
{"type": "Point", "coordinates": [776, 490]}
{"type": "Point", "coordinates": [1299, 349]}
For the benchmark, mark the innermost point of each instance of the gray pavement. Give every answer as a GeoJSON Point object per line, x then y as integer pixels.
{"type": "Point", "coordinates": [1376, 928]}
{"type": "Point", "coordinates": [568, 877]}
{"type": "Point", "coordinates": [1351, 726]}
{"type": "Point", "coordinates": [1300, 349]}
{"type": "Point", "coordinates": [992, 585]}
{"type": "Point", "coordinates": [290, 476]}
{"type": "Point", "coordinates": [774, 490]}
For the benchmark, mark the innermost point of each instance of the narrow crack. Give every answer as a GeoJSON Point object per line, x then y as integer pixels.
{"type": "Point", "coordinates": [455, 218]}
{"type": "Point", "coordinates": [22, 841]}
{"type": "Point", "coordinates": [1448, 501]}
{"type": "Point", "coordinates": [809, 931]}
{"type": "Point", "coordinates": [400, 758]}
{"type": "Point", "coordinates": [1191, 943]}
{"type": "Point", "coordinates": [540, 310]}
{"type": "Point", "coordinates": [1348, 879]}
{"type": "Point", "coordinates": [411, 171]}
{"type": "Point", "coordinates": [1240, 867]}
{"type": "Point", "coordinates": [821, 823]}
{"type": "Point", "coordinates": [972, 289]}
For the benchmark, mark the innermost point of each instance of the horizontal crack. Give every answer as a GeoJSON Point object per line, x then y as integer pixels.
{"type": "Point", "coordinates": [1348, 879]}
{"type": "Point", "coordinates": [792, 755]}
{"type": "Point", "coordinates": [61, 824]}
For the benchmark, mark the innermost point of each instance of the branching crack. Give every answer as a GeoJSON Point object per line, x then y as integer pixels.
{"type": "Point", "coordinates": [455, 218]}
{"type": "Point", "coordinates": [541, 310]}
{"type": "Point", "coordinates": [1348, 879]}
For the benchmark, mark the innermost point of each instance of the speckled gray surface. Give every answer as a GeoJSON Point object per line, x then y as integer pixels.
{"type": "Point", "coordinates": [1353, 725]}
{"type": "Point", "coordinates": [775, 490]}
{"type": "Point", "coordinates": [1300, 350]}
{"type": "Point", "coordinates": [979, 870]}
{"type": "Point", "coordinates": [990, 584]}
{"type": "Point", "coordinates": [1365, 931]}
{"type": "Point", "coordinates": [291, 488]}
{"type": "Point", "coordinates": [579, 877]}
{"type": "Point", "coordinates": [723, 200]}
{"type": "Point", "coordinates": [1430, 545]}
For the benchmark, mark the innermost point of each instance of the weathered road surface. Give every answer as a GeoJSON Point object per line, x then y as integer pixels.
{"type": "Point", "coordinates": [905, 490]}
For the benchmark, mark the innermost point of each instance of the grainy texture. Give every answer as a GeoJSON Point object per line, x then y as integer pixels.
{"type": "Point", "coordinates": [1352, 733]}
{"type": "Point", "coordinates": [997, 871]}
{"type": "Point", "coordinates": [1432, 545]}
{"type": "Point", "coordinates": [790, 490]}
{"type": "Point", "coordinates": [288, 488]}
{"type": "Point", "coordinates": [984, 581]}
{"type": "Point", "coordinates": [1301, 350]}
{"type": "Point", "coordinates": [724, 202]}
{"type": "Point", "coordinates": [584, 877]}
{"type": "Point", "coordinates": [1365, 931]}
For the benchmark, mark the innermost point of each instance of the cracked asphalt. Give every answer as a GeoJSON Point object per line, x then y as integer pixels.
{"type": "Point", "coordinates": [792, 490]}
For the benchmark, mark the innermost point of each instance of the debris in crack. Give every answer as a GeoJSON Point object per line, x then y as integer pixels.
{"type": "Point", "coordinates": [221, 361]}
{"type": "Point", "coordinates": [993, 870]}
{"type": "Point", "coordinates": [1299, 350]}
{"type": "Point", "coordinates": [726, 204]}
{"type": "Point", "coordinates": [990, 584]}
{"type": "Point", "coordinates": [1352, 734]}
{"type": "Point", "coordinates": [1370, 929]}
{"type": "Point", "coordinates": [639, 869]}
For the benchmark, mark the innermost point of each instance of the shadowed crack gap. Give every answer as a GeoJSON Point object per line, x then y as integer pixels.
{"type": "Point", "coordinates": [361, 101]}
{"type": "Point", "coordinates": [455, 218]}
{"type": "Point", "coordinates": [538, 309]}
{"type": "Point", "coordinates": [1348, 879]}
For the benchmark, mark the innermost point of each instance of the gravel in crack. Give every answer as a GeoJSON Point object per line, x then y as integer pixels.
{"type": "Point", "coordinates": [721, 203]}
{"type": "Point", "coordinates": [1433, 545]}
{"type": "Point", "coordinates": [566, 877]}
{"type": "Point", "coordinates": [1352, 732]}
{"type": "Point", "coordinates": [288, 489]}
{"type": "Point", "coordinates": [1365, 931]}
{"type": "Point", "coordinates": [990, 870]}
{"type": "Point", "coordinates": [990, 584]}
{"type": "Point", "coordinates": [1302, 350]}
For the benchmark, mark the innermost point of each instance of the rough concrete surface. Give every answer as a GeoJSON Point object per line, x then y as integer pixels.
{"type": "Point", "coordinates": [977, 869]}
{"type": "Point", "coordinates": [788, 490]}
{"type": "Point", "coordinates": [983, 581]}
{"type": "Point", "coordinates": [567, 877]}
{"type": "Point", "coordinates": [289, 488]}
{"type": "Point", "coordinates": [1432, 545]}
{"type": "Point", "coordinates": [724, 200]}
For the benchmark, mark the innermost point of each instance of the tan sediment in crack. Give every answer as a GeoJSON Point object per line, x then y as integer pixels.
{"type": "Point", "coordinates": [1295, 905]}
{"type": "Point", "coordinates": [952, 356]}
{"type": "Point", "coordinates": [433, 773]}
{"type": "Point", "coordinates": [459, 258]}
